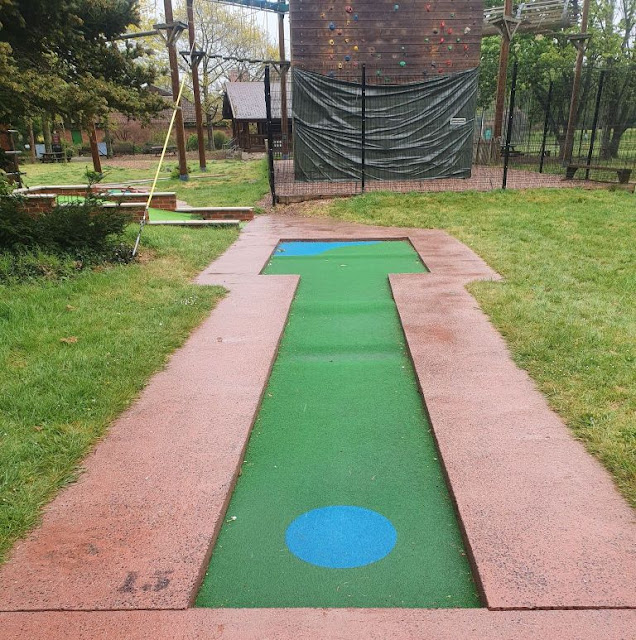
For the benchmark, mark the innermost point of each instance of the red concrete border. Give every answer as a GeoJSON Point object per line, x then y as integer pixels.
{"type": "Point", "coordinates": [544, 523]}
{"type": "Point", "coordinates": [323, 624]}
{"type": "Point", "coordinates": [135, 531]}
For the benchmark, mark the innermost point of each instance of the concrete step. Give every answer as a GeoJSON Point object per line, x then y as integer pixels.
{"type": "Point", "coordinates": [195, 223]}
{"type": "Point", "coordinates": [220, 213]}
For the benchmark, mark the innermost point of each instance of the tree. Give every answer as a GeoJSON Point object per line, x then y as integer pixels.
{"type": "Point", "coordinates": [545, 58]}
{"type": "Point", "coordinates": [220, 31]}
{"type": "Point", "coordinates": [59, 57]}
{"type": "Point", "coordinates": [614, 25]}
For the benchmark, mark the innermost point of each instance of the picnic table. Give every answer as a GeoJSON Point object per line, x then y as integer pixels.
{"type": "Point", "coordinates": [52, 156]}
{"type": "Point", "coordinates": [157, 150]}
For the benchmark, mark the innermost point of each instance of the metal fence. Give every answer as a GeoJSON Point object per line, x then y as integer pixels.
{"type": "Point", "coordinates": [604, 146]}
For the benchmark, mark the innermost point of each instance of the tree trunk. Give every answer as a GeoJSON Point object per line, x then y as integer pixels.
{"type": "Point", "coordinates": [46, 131]}
{"type": "Point", "coordinates": [615, 142]}
{"type": "Point", "coordinates": [97, 163]}
{"type": "Point", "coordinates": [560, 138]}
{"type": "Point", "coordinates": [604, 151]}
{"type": "Point", "coordinates": [32, 150]}
{"type": "Point", "coordinates": [208, 115]}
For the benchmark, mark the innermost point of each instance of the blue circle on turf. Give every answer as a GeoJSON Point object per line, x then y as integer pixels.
{"type": "Point", "coordinates": [341, 537]}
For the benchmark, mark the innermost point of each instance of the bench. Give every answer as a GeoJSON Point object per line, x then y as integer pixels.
{"type": "Point", "coordinates": [157, 150]}
{"type": "Point", "coordinates": [623, 174]}
{"type": "Point", "coordinates": [53, 156]}
{"type": "Point", "coordinates": [512, 153]}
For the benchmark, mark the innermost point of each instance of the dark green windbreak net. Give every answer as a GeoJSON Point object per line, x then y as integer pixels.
{"type": "Point", "coordinates": [413, 131]}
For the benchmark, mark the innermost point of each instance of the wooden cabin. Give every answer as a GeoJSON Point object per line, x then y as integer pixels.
{"type": "Point", "coordinates": [244, 105]}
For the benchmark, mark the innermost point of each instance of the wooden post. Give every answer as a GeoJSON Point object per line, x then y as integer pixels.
{"type": "Point", "coordinates": [174, 74]}
{"type": "Point", "coordinates": [576, 84]}
{"type": "Point", "coordinates": [284, 124]}
{"type": "Point", "coordinates": [97, 163]}
{"type": "Point", "coordinates": [196, 90]}
{"type": "Point", "coordinates": [504, 53]}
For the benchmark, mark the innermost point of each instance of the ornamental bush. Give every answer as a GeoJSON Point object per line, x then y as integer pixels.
{"type": "Point", "coordinates": [69, 238]}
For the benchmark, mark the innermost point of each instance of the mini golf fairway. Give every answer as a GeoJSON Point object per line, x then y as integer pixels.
{"type": "Point", "coordinates": [341, 501]}
{"type": "Point", "coordinates": [153, 214]}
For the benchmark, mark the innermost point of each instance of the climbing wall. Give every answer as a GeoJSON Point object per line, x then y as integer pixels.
{"type": "Point", "coordinates": [397, 41]}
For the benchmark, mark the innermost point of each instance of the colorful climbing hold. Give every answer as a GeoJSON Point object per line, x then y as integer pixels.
{"type": "Point", "coordinates": [378, 72]}
{"type": "Point", "coordinates": [402, 63]}
{"type": "Point", "coordinates": [449, 63]}
{"type": "Point", "coordinates": [332, 26]}
{"type": "Point", "coordinates": [340, 65]}
{"type": "Point", "coordinates": [450, 47]}
{"type": "Point", "coordinates": [458, 39]}
{"type": "Point", "coordinates": [442, 24]}
{"type": "Point", "coordinates": [441, 40]}
{"type": "Point", "coordinates": [396, 7]}
{"type": "Point", "coordinates": [355, 47]}
{"type": "Point", "coordinates": [449, 31]}
{"type": "Point", "coordinates": [435, 30]}
{"type": "Point", "coordinates": [331, 42]}
{"type": "Point", "coordinates": [467, 30]}
{"type": "Point", "coordinates": [452, 15]}
{"type": "Point", "coordinates": [347, 40]}
{"type": "Point", "coordinates": [349, 9]}
{"type": "Point", "coordinates": [347, 58]}
{"type": "Point", "coordinates": [355, 18]}
{"type": "Point", "coordinates": [339, 32]}
{"type": "Point", "coordinates": [428, 7]}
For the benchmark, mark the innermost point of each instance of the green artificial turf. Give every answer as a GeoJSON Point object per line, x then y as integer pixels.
{"type": "Point", "coordinates": [160, 214]}
{"type": "Point", "coordinates": [342, 423]}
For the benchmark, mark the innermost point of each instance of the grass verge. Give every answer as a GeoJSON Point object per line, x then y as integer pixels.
{"type": "Point", "coordinates": [566, 307]}
{"type": "Point", "coordinates": [74, 354]}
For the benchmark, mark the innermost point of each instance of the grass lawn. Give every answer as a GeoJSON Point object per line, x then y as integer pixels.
{"type": "Point", "coordinates": [566, 307]}
{"type": "Point", "coordinates": [74, 354]}
{"type": "Point", "coordinates": [226, 182]}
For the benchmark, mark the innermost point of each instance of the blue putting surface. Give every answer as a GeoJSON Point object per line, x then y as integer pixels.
{"type": "Point", "coordinates": [289, 249]}
{"type": "Point", "coordinates": [341, 537]}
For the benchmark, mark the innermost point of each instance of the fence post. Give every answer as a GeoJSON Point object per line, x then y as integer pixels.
{"type": "Point", "coordinates": [546, 123]}
{"type": "Point", "coordinates": [597, 107]}
{"type": "Point", "coordinates": [511, 116]}
{"type": "Point", "coordinates": [364, 122]}
{"type": "Point", "coordinates": [270, 137]}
